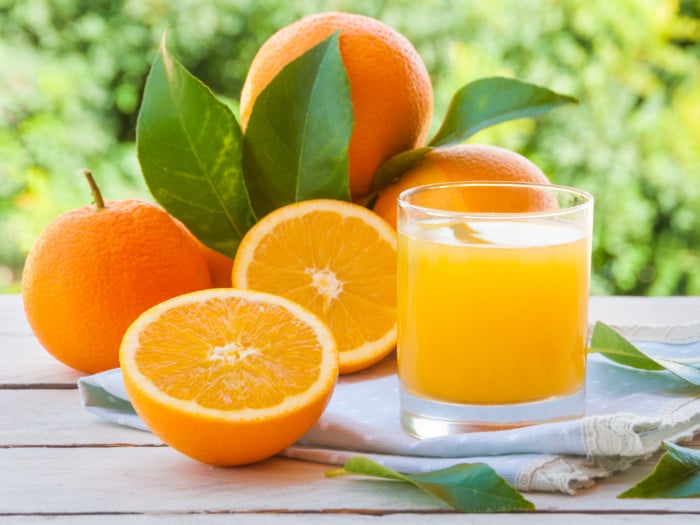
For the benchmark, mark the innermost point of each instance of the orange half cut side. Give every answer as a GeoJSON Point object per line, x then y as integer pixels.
{"type": "Point", "coordinates": [337, 259]}
{"type": "Point", "coordinates": [229, 376]}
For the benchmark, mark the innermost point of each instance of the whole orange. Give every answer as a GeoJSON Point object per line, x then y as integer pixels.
{"type": "Point", "coordinates": [392, 97]}
{"type": "Point", "coordinates": [93, 270]}
{"type": "Point", "coordinates": [467, 162]}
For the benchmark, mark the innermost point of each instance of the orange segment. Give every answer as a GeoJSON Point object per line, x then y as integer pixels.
{"type": "Point", "coordinates": [338, 260]}
{"type": "Point", "coordinates": [229, 376]}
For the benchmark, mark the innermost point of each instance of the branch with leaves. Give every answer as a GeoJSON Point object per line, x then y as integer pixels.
{"type": "Point", "coordinates": [201, 167]}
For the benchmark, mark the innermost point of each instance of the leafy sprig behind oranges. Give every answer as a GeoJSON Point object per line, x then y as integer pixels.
{"type": "Point", "coordinates": [301, 136]}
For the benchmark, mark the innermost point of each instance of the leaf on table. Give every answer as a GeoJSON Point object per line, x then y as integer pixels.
{"type": "Point", "coordinates": [189, 146]}
{"type": "Point", "coordinates": [613, 345]}
{"type": "Point", "coordinates": [466, 487]}
{"type": "Point", "coordinates": [676, 475]}
{"type": "Point", "coordinates": [362, 466]}
{"type": "Point", "coordinates": [296, 142]}
{"type": "Point", "coordinates": [490, 101]}
{"type": "Point", "coordinates": [684, 370]}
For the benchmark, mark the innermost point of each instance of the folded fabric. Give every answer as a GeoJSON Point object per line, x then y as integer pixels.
{"type": "Point", "coordinates": [629, 413]}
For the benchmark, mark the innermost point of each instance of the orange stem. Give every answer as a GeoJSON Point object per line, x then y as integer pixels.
{"type": "Point", "coordinates": [94, 189]}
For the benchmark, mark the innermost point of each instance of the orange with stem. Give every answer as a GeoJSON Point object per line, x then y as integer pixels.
{"type": "Point", "coordinates": [95, 269]}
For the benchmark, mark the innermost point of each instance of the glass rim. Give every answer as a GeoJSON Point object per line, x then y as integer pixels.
{"type": "Point", "coordinates": [587, 197]}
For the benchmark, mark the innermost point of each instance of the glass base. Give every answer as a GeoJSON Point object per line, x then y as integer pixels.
{"type": "Point", "coordinates": [425, 418]}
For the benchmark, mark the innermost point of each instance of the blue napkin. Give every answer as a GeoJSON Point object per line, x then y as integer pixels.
{"type": "Point", "coordinates": [628, 415]}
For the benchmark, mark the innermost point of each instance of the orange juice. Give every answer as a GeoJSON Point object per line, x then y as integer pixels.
{"type": "Point", "coordinates": [492, 312]}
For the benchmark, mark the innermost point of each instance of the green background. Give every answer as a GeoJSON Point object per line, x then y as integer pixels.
{"type": "Point", "coordinates": [72, 74]}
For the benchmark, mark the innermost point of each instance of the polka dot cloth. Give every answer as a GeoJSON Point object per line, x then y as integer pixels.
{"type": "Point", "coordinates": [628, 415]}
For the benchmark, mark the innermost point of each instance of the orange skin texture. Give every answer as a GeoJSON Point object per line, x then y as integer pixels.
{"type": "Point", "coordinates": [220, 442]}
{"type": "Point", "coordinates": [392, 96]}
{"type": "Point", "coordinates": [91, 273]}
{"type": "Point", "coordinates": [219, 265]}
{"type": "Point", "coordinates": [469, 162]}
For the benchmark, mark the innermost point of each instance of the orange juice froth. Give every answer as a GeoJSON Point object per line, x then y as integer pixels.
{"type": "Point", "coordinates": [520, 336]}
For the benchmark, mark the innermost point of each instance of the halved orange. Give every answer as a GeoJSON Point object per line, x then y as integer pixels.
{"type": "Point", "coordinates": [337, 259]}
{"type": "Point", "coordinates": [227, 376]}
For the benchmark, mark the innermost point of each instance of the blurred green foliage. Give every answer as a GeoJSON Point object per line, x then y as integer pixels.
{"type": "Point", "coordinates": [73, 72]}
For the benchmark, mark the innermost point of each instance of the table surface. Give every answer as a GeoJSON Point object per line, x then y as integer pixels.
{"type": "Point", "coordinates": [61, 464]}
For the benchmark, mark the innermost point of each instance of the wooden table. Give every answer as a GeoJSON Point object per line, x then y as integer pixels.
{"type": "Point", "coordinates": [60, 464]}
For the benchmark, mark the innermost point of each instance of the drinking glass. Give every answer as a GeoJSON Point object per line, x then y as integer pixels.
{"type": "Point", "coordinates": [493, 284]}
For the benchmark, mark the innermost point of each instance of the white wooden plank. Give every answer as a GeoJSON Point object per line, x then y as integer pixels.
{"type": "Point", "coordinates": [675, 319]}
{"type": "Point", "coordinates": [615, 310]}
{"type": "Point", "coordinates": [24, 362]}
{"type": "Point", "coordinates": [662, 311]}
{"type": "Point", "coordinates": [160, 480]}
{"type": "Point", "coordinates": [56, 418]}
{"type": "Point", "coordinates": [12, 318]}
{"type": "Point", "coordinates": [355, 519]}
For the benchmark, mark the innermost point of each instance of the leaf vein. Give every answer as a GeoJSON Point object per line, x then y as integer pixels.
{"type": "Point", "coordinates": [199, 161]}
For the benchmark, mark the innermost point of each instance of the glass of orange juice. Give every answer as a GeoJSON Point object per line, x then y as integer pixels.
{"type": "Point", "coordinates": [493, 283]}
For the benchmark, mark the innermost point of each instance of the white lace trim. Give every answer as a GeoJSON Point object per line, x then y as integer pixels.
{"type": "Point", "coordinates": [615, 435]}
{"type": "Point", "coordinates": [678, 333]}
{"type": "Point", "coordinates": [567, 474]}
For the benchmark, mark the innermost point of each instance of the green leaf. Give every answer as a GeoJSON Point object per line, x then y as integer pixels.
{"type": "Point", "coordinates": [467, 487]}
{"type": "Point", "coordinates": [613, 345]}
{"type": "Point", "coordinates": [608, 342]}
{"type": "Point", "coordinates": [366, 467]}
{"type": "Point", "coordinates": [296, 143]}
{"type": "Point", "coordinates": [472, 488]}
{"type": "Point", "coordinates": [490, 101]}
{"type": "Point", "coordinates": [682, 370]}
{"type": "Point", "coordinates": [676, 475]}
{"type": "Point", "coordinates": [189, 146]}
{"type": "Point", "coordinates": [396, 166]}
